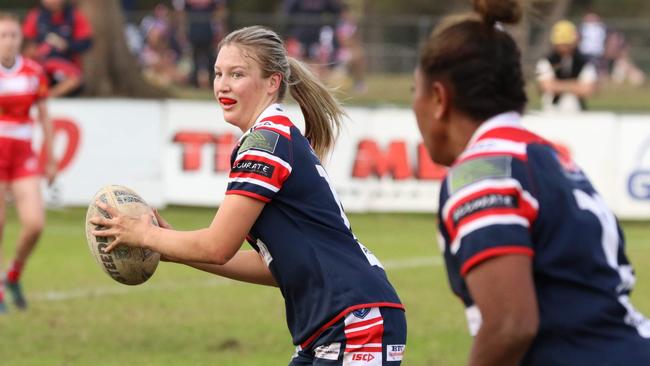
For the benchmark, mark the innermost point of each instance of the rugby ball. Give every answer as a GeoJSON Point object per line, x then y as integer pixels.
{"type": "Point", "coordinates": [124, 264]}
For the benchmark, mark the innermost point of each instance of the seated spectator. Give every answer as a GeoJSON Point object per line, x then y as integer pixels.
{"type": "Point", "coordinates": [566, 77]}
{"type": "Point", "coordinates": [592, 37]}
{"type": "Point", "coordinates": [57, 34]}
{"type": "Point", "coordinates": [159, 60]}
{"type": "Point", "coordinates": [620, 68]}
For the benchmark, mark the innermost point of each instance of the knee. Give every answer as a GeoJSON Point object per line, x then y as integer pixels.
{"type": "Point", "coordinates": [34, 225]}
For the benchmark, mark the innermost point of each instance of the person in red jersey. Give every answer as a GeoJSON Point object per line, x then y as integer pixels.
{"type": "Point", "coordinates": [57, 34]}
{"type": "Point", "coordinates": [22, 84]}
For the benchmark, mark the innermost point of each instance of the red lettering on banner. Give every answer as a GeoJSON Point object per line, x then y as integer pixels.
{"type": "Point", "coordinates": [371, 160]}
{"type": "Point", "coordinates": [71, 131]}
{"type": "Point", "coordinates": [193, 142]}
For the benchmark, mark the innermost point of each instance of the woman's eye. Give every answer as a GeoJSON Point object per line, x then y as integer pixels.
{"type": "Point", "coordinates": [218, 74]}
{"type": "Point", "coordinates": [236, 75]}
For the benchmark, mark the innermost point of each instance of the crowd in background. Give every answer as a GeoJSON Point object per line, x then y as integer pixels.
{"type": "Point", "coordinates": [176, 45]}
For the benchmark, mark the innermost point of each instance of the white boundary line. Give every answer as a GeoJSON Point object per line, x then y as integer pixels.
{"type": "Point", "coordinates": [81, 293]}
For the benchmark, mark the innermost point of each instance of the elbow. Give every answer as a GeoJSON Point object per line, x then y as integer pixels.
{"type": "Point", "coordinates": [515, 331]}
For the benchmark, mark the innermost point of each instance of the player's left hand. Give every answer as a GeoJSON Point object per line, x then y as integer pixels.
{"type": "Point", "coordinates": [127, 230]}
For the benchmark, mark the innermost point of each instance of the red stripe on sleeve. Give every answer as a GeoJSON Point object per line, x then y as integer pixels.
{"type": "Point", "coordinates": [494, 252]}
{"type": "Point", "coordinates": [249, 194]}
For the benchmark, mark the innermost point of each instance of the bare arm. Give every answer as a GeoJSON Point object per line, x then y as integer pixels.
{"type": "Point", "coordinates": [504, 291]}
{"type": "Point", "coordinates": [216, 244]}
{"type": "Point", "coordinates": [48, 138]}
{"type": "Point", "coordinates": [582, 89]}
{"type": "Point", "coordinates": [245, 266]}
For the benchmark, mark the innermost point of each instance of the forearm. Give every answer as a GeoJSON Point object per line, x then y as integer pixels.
{"type": "Point", "coordinates": [245, 266]}
{"type": "Point", "coordinates": [578, 88]}
{"type": "Point", "coordinates": [494, 347]}
{"type": "Point", "coordinates": [187, 246]}
{"type": "Point", "coordinates": [48, 133]}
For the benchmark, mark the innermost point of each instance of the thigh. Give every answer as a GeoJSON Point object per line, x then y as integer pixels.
{"type": "Point", "coordinates": [28, 200]}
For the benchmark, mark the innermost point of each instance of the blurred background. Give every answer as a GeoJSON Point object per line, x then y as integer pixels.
{"type": "Point", "coordinates": [367, 48]}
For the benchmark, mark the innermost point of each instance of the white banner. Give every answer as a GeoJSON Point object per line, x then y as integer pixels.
{"type": "Point", "coordinates": [106, 142]}
{"type": "Point", "coordinates": [178, 152]}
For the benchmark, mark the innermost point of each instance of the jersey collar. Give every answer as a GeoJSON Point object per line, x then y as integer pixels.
{"type": "Point", "coordinates": [507, 119]}
{"type": "Point", "coordinates": [17, 65]}
{"type": "Point", "coordinates": [275, 109]}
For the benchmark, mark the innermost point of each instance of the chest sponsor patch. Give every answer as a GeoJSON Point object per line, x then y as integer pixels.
{"type": "Point", "coordinates": [482, 203]}
{"type": "Point", "coordinates": [255, 167]}
{"type": "Point", "coordinates": [395, 352]}
{"type": "Point", "coordinates": [264, 140]}
{"type": "Point", "coordinates": [476, 170]}
{"type": "Point", "coordinates": [328, 351]}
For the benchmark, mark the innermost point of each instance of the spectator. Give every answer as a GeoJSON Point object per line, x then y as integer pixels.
{"type": "Point", "coordinates": [205, 24]}
{"type": "Point", "coordinates": [619, 66]}
{"type": "Point", "coordinates": [57, 34]}
{"type": "Point", "coordinates": [309, 23]}
{"type": "Point", "coordinates": [159, 60]}
{"type": "Point", "coordinates": [592, 37]}
{"type": "Point", "coordinates": [566, 77]}
{"type": "Point", "coordinates": [351, 54]}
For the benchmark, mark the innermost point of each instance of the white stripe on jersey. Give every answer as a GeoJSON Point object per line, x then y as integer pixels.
{"type": "Point", "coordinates": [351, 319]}
{"type": "Point", "coordinates": [495, 146]}
{"type": "Point", "coordinates": [16, 131]}
{"type": "Point", "coordinates": [357, 329]}
{"type": "Point", "coordinates": [363, 345]}
{"type": "Point", "coordinates": [264, 155]}
{"type": "Point", "coordinates": [18, 85]}
{"type": "Point", "coordinates": [256, 182]}
{"type": "Point", "coordinates": [482, 222]}
{"type": "Point", "coordinates": [502, 183]}
{"type": "Point", "coordinates": [276, 126]}
{"type": "Point", "coordinates": [508, 119]}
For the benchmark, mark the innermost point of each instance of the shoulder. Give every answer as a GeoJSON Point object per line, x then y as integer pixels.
{"type": "Point", "coordinates": [279, 124]}
{"type": "Point", "coordinates": [504, 141]}
{"type": "Point", "coordinates": [32, 66]}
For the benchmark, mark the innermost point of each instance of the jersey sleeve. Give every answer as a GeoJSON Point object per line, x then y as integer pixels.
{"type": "Point", "coordinates": [261, 165]}
{"type": "Point", "coordinates": [488, 211]}
{"type": "Point", "coordinates": [544, 70]}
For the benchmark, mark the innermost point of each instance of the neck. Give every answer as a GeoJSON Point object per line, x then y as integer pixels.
{"type": "Point", "coordinates": [258, 113]}
{"type": "Point", "coordinates": [461, 132]}
{"type": "Point", "coordinates": [8, 62]}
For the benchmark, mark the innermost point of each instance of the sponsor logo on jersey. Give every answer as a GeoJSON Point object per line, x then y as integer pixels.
{"type": "Point", "coordinates": [483, 203]}
{"type": "Point", "coordinates": [255, 167]}
{"type": "Point", "coordinates": [361, 313]}
{"type": "Point", "coordinates": [395, 352]}
{"type": "Point", "coordinates": [366, 357]}
{"type": "Point", "coordinates": [328, 351]}
{"type": "Point", "coordinates": [264, 140]}
{"type": "Point", "coordinates": [476, 170]}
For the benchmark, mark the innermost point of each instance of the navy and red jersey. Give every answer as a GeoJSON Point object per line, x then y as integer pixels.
{"type": "Point", "coordinates": [69, 23]}
{"type": "Point", "coordinates": [511, 193]}
{"type": "Point", "coordinates": [302, 233]}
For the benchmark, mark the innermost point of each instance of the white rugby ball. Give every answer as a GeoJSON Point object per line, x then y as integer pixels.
{"type": "Point", "coordinates": [124, 264]}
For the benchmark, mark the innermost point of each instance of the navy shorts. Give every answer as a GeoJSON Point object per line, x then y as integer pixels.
{"type": "Point", "coordinates": [364, 337]}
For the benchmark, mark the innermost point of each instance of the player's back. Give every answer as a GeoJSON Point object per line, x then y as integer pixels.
{"type": "Point", "coordinates": [582, 275]}
{"type": "Point", "coordinates": [511, 192]}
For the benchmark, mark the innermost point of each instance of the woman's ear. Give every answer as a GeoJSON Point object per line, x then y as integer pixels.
{"type": "Point", "coordinates": [442, 99]}
{"type": "Point", "coordinates": [274, 82]}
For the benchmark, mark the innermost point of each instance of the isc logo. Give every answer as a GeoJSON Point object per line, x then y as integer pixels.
{"type": "Point", "coordinates": [363, 357]}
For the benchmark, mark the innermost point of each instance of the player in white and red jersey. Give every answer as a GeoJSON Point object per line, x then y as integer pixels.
{"type": "Point", "coordinates": [22, 85]}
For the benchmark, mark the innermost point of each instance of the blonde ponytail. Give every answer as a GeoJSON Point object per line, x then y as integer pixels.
{"type": "Point", "coordinates": [323, 113]}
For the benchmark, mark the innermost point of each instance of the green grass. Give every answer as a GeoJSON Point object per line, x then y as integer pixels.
{"type": "Point", "coordinates": [395, 89]}
{"type": "Point", "coordinates": [79, 316]}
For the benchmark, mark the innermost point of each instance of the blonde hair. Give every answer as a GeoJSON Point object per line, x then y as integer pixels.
{"type": "Point", "coordinates": [323, 113]}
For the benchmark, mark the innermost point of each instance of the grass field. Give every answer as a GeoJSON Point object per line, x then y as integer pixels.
{"type": "Point", "coordinates": [79, 316]}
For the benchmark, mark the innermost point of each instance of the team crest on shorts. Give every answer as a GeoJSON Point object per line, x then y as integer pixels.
{"type": "Point", "coordinates": [361, 313]}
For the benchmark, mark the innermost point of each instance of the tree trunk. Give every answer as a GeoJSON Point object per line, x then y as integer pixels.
{"type": "Point", "coordinates": [109, 67]}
